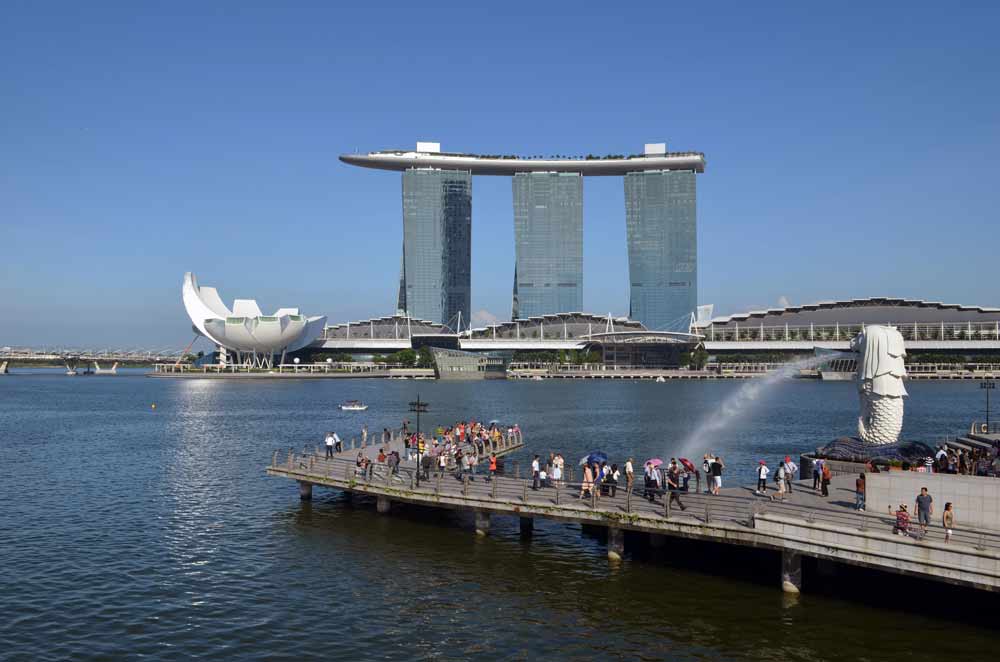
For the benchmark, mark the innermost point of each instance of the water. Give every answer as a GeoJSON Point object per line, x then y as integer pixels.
{"type": "Point", "coordinates": [132, 533]}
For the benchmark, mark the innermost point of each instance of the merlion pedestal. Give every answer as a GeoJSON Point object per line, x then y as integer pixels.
{"type": "Point", "coordinates": [880, 383]}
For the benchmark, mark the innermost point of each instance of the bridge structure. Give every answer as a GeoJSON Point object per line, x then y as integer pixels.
{"type": "Point", "coordinates": [12, 355]}
{"type": "Point", "coordinates": [806, 525]}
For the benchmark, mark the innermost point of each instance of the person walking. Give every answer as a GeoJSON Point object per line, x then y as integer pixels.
{"type": "Point", "coordinates": [790, 470]}
{"type": "Point", "coordinates": [535, 471]}
{"type": "Point", "coordinates": [613, 480]}
{"type": "Point", "coordinates": [588, 481]}
{"type": "Point", "coordinates": [337, 445]}
{"type": "Point", "coordinates": [557, 469]}
{"type": "Point", "coordinates": [817, 468]}
{"type": "Point", "coordinates": [442, 464]}
{"type": "Point", "coordinates": [948, 521]}
{"type": "Point", "coordinates": [716, 468]}
{"type": "Point", "coordinates": [781, 480]}
{"type": "Point", "coordinates": [329, 444]}
{"type": "Point", "coordinates": [493, 466]}
{"type": "Point", "coordinates": [762, 472]}
{"type": "Point", "coordinates": [648, 482]}
{"type": "Point", "coordinates": [825, 478]}
{"type": "Point", "coordinates": [925, 508]}
{"type": "Point", "coordinates": [859, 492]}
{"type": "Point", "coordinates": [674, 486]}
{"type": "Point", "coordinates": [706, 470]}
{"type": "Point", "coordinates": [629, 475]}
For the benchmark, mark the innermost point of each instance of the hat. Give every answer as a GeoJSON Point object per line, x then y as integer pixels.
{"type": "Point", "coordinates": [763, 462]}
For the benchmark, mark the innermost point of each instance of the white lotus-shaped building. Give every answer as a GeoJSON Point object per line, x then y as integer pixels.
{"type": "Point", "coordinates": [254, 337]}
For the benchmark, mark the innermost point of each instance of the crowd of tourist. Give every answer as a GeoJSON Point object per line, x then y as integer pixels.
{"type": "Point", "coordinates": [458, 448]}
{"type": "Point", "coordinates": [783, 476]}
{"type": "Point", "coordinates": [974, 462]}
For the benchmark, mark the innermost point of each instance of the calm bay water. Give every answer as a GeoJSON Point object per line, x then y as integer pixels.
{"type": "Point", "coordinates": [133, 533]}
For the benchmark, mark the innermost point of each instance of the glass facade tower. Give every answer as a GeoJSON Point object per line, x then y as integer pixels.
{"type": "Point", "coordinates": [548, 243]}
{"type": "Point", "coordinates": [436, 272]}
{"type": "Point", "coordinates": [661, 229]}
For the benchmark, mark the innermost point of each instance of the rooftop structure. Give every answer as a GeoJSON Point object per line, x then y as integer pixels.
{"type": "Point", "coordinates": [253, 337]}
{"type": "Point", "coordinates": [429, 155]}
{"type": "Point", "coordinates": [661, 229]}
{"type": "Point", "coordinates": [924, 325]}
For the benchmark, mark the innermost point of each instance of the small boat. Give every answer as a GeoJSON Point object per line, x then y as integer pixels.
{"type": "Point", "coordinates": [354, 405]}
{"type": "Point", "coordinates": [660, 380]}
{"type": "Point", "coordinates": [537, 378]}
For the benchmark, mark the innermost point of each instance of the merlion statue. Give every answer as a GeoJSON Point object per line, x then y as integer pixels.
{"type": "Point", "coordinates": [880, 383]}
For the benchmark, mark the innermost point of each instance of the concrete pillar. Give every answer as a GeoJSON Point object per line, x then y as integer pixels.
{"type": "Point", "coordinates": [791, 571]}
{"type": "Point", "coordinates": [482, 523]}
{"type": "Point", "coordinates": [527, 526]}
{"type": "Point", "coordinates": [616, 543]}
{"type": "Point", "coordinates": [382, 504]}
{"type": "Point", "coordinates": [305, 491]}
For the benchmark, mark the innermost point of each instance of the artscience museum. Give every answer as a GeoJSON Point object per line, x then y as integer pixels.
{"type": "Point", "coordinates": [244, 335]}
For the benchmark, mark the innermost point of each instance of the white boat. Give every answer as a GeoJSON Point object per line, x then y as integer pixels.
{"type": "Point", "coordinates": [354, 405]}
{"type": "Point", "coordinates": [537, 378]}
{"type": "Point", "coordinates": [660, 380]}
{"type": "Point", "coordinates": [72, 373]}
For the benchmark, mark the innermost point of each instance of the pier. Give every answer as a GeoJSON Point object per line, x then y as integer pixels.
{"type": "Point", "coordinates": [803, 526]}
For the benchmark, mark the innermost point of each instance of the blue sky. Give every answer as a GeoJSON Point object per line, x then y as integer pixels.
{"type": "Point", "coordinates": [852, 149]}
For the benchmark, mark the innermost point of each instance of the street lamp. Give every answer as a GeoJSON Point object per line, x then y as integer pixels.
{"type": "Point", "coordinates": [988, 385]}
{"type": "Point", "coordinates": [418, 406]}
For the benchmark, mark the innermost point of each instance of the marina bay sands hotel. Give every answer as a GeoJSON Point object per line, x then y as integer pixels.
{"type": "Point", "coordinates": [660, 222]}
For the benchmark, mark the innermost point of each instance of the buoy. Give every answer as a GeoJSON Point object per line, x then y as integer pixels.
{"type": "Point", "coordinates": [153, 405]}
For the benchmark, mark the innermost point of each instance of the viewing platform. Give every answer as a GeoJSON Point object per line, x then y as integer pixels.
{"type": "Point", "coordinates": [804, 525]}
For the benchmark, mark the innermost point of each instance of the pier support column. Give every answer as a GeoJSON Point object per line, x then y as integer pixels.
{"type": "Point", "coordinates": [616, 543]}
{"type": "Point", "coordinates": [791, 571]}
{"type": "Point", "coordinates": [305, 491]}
{"type": "Point", "coordinates": [482, 523]}
{"type": "Point", "coordinates": [383, 505]}
{"type": "Point", "coordinates": [527, 526]}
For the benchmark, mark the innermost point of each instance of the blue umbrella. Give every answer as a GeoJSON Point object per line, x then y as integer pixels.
{"type": "Point", "coordinates": [594, 456]}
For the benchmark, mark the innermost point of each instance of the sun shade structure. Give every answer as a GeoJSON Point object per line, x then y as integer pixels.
{"type": "Point", "coordinates": [254, 337]}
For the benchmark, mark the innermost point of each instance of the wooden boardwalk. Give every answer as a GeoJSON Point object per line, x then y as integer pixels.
{"type": "Point", "coordinates": [806, 524]}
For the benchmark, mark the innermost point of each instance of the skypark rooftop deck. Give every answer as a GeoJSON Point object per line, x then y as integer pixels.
{"type": "Point", "coordinates": [480, 164]}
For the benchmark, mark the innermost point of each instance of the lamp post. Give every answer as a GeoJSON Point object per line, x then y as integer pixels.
{"type": "Point", "coordinates": [987, 385]}
{"type": "Point", "coordinates": [418, 406]}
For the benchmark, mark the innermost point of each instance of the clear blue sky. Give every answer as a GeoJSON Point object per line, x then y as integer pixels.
{"type": "Point", "coordinates": [852, 150]}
